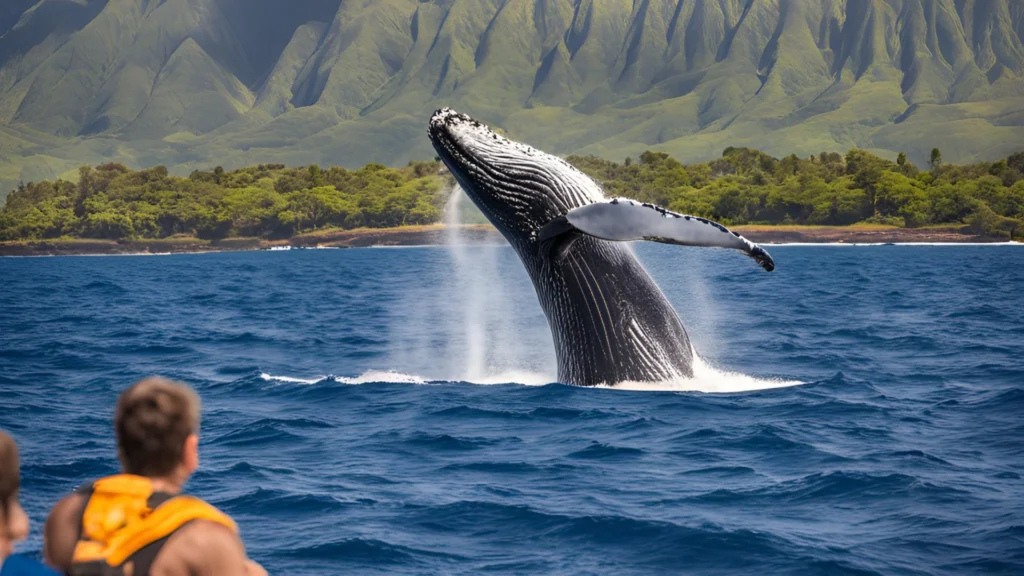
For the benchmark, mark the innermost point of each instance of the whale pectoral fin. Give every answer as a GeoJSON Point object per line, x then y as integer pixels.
{"type": "Point", "coordinates": [625, 220]}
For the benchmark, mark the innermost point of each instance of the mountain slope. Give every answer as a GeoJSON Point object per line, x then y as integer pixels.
{"type": "Point", "coordinates": [195, 83]}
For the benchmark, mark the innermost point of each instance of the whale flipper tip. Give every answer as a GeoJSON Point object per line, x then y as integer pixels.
{"type": "Point", "coordinates": [762, 257]}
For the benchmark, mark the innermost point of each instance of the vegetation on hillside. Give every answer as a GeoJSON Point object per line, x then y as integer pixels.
{"type": "Point", "coordinates": [113, 202]}
{"type": "Point", "coordinates": [333, 81]}
{"type": "Point", "coordinates": [744, 186]}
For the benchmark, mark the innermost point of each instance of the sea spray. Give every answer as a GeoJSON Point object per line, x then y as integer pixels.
{"type": "Point", "coordinates": [472, 316]}
{"type": "Point", "coordinates": [486, 325]}
{"type": "Point", "coordinates": [695, 303]}
{"type": "Point", "coordinates": [472, 289]}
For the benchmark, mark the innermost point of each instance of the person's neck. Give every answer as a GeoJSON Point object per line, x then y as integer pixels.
{"type": "Point", "coordinates": [167, 484]}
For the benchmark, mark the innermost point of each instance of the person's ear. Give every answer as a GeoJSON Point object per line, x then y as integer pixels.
{"type": "Point", "coordinates": [191, 455]}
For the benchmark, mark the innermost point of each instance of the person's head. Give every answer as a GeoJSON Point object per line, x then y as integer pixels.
{"type": "Point", "coordinates": [157, 426]}
{"type": "Point", "coordinates": [13, 522]}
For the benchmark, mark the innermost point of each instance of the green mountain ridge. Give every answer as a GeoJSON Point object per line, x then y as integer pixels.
{"type": "Point", "coordinates": [195, 83]}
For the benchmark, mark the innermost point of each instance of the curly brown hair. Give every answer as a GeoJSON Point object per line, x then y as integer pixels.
{"type": "Point", "coordinates": [152, 421]}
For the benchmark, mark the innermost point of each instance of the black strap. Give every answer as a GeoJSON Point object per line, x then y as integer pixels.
{"type": "Point", "coordinates": [85, 490]}
{"type": "Point", "coordinates": [143, 560]}
{"type": "Point", "coordinates": [94, 568]}
{"type": "Point", "coordinates": [158, 498]}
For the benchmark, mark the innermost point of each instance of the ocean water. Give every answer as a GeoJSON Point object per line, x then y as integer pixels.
{"type": "Point", "coordinates": [390, 411]}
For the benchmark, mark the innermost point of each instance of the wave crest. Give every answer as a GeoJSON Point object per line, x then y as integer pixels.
{"type": "Point", "coordinates": [368, 377]}
{"type": "Point", "coordinates": [706, 378]}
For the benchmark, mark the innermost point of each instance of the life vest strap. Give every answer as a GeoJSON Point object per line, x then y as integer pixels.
{"type": "Point", "coordinates": [165, 520]}
{"type": "Point", "coordinates": [123, 516]}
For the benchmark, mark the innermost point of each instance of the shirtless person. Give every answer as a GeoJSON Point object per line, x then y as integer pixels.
{"type": "Point", "coordinates": [138, 521]}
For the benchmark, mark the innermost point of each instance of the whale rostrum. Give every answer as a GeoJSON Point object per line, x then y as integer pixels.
{"type": "Point", "coordinates": [609, 320]}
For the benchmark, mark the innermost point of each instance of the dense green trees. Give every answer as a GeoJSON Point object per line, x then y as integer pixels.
{"type": "Point", "coordinates": [111, 201]}
{"type": "Point", "coordinates": [744, 186]}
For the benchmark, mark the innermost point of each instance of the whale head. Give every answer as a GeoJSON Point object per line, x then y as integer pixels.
{"type": "Point", "coordinates": [517, 187]}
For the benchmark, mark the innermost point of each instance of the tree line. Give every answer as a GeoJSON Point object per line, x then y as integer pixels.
{"type": "Point", "coordinates": [743, 186]}
{"type": "Point", "coordinates": [270, 200]}
{"type": "Point", "coordinates": [746, 186]}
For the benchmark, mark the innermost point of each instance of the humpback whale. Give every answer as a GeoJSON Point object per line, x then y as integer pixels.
{"type": "Point", "coordinates": [609, 320]}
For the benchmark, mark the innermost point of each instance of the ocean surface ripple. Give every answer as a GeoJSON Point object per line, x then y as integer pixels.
{"type": "Point", "coordinates": [345, 427]}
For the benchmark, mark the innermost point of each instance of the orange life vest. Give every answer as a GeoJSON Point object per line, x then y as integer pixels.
{"type": "Point", "coordinates": [125, 522]}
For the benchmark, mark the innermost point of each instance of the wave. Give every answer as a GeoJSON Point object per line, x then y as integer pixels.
{"type": "Point", "coordinates": [291, 380]}
{"type": "Point", "coordinates": [706, 378]}
{"type": "Point", "coordinates": [847, 486]}
{"type": "Point", "coordinates": [521, 377]}
{"type": "Point", "coordinates": [363, 550]}
{"type": "Point", "coordinates": [368, 377]}
{"type": "Point", "coordinates": [601, 451]}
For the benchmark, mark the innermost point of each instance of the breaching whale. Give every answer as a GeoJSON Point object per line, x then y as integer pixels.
{"type": "Point", "coordinates": [609, 320]}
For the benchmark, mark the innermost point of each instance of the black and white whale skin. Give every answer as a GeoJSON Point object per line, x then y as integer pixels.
{"type": "Point", "coordinates": [610, 322]}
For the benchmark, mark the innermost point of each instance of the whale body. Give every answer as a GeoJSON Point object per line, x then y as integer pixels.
{"type": "Point", "coordinates": [609, 320]}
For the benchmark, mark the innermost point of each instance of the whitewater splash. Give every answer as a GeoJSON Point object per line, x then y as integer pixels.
{"type": "Point", "coordinates": [369, 377]}
{"type": "Point", "coordinates": [706, 379]}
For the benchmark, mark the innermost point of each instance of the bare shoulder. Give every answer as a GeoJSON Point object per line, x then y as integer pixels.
{"type": "Point", "coordinates": [204, 547]}
{"type": "Point", "coordinates": [61, 531]}
{"type": "Point", "coordinates": [206, 534]}
{"type": "Point", "coordinates": [68, 509]}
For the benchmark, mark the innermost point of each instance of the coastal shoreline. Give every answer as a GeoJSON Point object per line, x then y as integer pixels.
{"type": "Point", "coordinates": [437, 234]}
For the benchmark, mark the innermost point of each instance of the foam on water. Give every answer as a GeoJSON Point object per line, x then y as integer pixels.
{"type": "Point", "coordinates": [524, 378]}
{"type": "Point", "coordinates": [378, 376]}
{"type": "Point", "coordinates": [290, 380]}
{"type": "Point", "coordinates": [368, 377]}
{"type": "Point", "coordinates": [706, 378]}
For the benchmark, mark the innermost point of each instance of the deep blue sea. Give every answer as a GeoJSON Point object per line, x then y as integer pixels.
{"type": "Point", "coordinates": [389, 411]}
